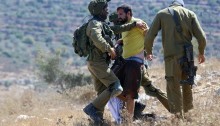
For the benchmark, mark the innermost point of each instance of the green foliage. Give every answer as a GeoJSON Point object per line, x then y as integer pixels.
{"type": "Point", "coordinates": [49, 67]}
{"type": "Point", "coordinates": [70, 80]}
{"type": "Point", "coordinates": [51, 24]}
{"type": "Point", "coordinates": [29, 40]}
{"type": "Point", "coordinates": [7, 54]}
{"type": "Point", "coordinates": [212, 2]}
{"type": "Point", "coordinates": [52, 71]}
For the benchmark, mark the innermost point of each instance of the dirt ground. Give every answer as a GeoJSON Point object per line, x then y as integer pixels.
{"type": "Point", "coordinates": [40, 105]}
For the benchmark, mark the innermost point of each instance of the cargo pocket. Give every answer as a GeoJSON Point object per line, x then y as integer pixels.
{"type": "Point", "coordinates": [169, 67]}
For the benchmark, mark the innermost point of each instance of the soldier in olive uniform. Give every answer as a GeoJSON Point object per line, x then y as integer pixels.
{"type": "Point", "coordinates": [179, 96]}
{"type": "Point", "coordinates": [145, 82]}
{"type": "Point", "coordinates": [105, 81]}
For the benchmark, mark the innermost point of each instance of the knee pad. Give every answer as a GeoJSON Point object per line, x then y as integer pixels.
{"type": "Point", "coordinates": [115, 89]}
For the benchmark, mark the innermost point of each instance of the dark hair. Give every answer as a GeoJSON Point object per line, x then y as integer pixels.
{"type": "Point", "coordinates": [126, 8]}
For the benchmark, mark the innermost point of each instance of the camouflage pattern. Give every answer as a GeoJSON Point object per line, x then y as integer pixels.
{"type": "Point", "coordinates": [81, 42]}
{"type": "Point", "coordinates": [100, 46]}
{"type": "Point", "coordinates": [98, 59]}
{"type": "Point", "coordinates": [95, 6]}
{"type": "Point", "coordinates": [97, 64]}
{"type": "Point", "coordinates": [113, 17]}
{"type": "Point", "coordinates": [180, 98]}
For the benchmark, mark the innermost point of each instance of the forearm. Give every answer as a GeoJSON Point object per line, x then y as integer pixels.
{"type": "Point", "coordinates": [122, 28]}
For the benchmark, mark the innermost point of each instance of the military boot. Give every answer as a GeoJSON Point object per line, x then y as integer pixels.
{"type": "Point", "coordinates": [115, 89]}
{"type": "Point", "coordinates": [138, 109]}
{"type": "Point", "coordinates": [138, 112]}
{"type": "Point", "coordinates": [93, 113]}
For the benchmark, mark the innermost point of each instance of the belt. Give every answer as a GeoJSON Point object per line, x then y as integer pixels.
{"type": "Point", "coordinates": [137, 59]}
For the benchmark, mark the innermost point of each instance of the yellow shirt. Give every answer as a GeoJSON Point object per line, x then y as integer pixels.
{"type": "Point", "coordinates": [133, 40]}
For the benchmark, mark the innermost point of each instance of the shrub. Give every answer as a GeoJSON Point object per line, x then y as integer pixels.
{"type": "Point", "coordinates": [50, 69]}
{"type": "Point", "coordinates": [29, 40]}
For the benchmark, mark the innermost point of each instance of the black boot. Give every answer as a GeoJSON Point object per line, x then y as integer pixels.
{"type": "Point", "coordinates": [138, 112]}
{"type": "Point", "coordinates": [138, 109]}
{"type": "Point", "coordinates": [91, 111]}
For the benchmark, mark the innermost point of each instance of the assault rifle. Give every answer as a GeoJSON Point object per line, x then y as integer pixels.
{"type": "Point", "coordinates": [187, 65]}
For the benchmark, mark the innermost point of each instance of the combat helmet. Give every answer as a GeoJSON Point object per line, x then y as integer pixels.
{"type": "Point", "coordinates": [113, 17]}
{"type": "Point", "coordinates": [95, 6]}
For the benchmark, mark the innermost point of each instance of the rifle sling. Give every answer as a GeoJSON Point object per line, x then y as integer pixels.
{"type": "Point", "coordinates": [176, 19]}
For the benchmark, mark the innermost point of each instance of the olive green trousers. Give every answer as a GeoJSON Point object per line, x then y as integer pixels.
{"type": "Point", "coordinates": [151, 90]}
{"type": "Point", "coordinates": [103, 77]}
{"type": "Point", "coordinates": [180, 97]}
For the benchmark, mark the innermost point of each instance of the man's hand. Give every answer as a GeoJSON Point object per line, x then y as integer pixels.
{"type": "Point", "coordinates": [201, 58]}
{"type": "Point", "coordinates": [112, 53]}
{"type": "Point", "coordinates": [149, 57]}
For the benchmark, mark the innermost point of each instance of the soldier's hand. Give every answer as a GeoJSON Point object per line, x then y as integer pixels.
{"type": "Point", "coordinates": [120, 41]}
{"type": "Point", "coordinates": [201, 58]}
{"type": "Point", "coordinates": [112, 53]}
{"type": "Point", "coordinates": [149, 57]}
{"type": "Point", "coordinates": [141, 25]}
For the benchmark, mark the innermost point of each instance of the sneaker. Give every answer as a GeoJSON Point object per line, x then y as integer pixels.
{"type": "Point", "coordinates": [116, 89]}
{"type": "Point", "coordinates": [92, 112]}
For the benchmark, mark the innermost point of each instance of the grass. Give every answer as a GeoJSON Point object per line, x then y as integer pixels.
{"type": "Point", "coordinates": [22, 106]}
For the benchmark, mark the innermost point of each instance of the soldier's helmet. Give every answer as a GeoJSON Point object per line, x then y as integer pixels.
{"type": "Point", "coordinates": [113, 17]}
{"type": "Point", "coordinates": [96, 6]}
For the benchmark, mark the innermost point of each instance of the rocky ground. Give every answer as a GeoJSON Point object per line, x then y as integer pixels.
{"type": "Point", "coordinates": [27, 101]}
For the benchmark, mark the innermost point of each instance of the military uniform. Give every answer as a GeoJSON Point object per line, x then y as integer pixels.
{"type": "Point", "coordinates": [98, 63]}
{"type": "Point", "coordinates": [151, 90]}
{"type": "Point", "coordinates": [118, 29]}
{"type": "Point", "coordinates": [180, 97]}
{"type": "Point", "coordinates": [105, 81]}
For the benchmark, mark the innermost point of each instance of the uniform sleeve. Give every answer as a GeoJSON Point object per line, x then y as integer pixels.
{"type": "Point", "coordinates": [143, 31]}
{"type": "Point", "coordinates": [94, 32]}
{"type": "Point", "coordinates": [122, 28]}
{"type": "Point", "coordinates": [199, 34]}
{"type": "Point", "coordinates": [151, 34]}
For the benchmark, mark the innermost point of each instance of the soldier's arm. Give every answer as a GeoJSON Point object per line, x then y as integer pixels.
{"type": "Point", "coordinates": [199, 34]}
{"type": "Point", "coordinates": [151, 34]}
{"type": "Point", "coordinates": [94, 32]}
{"type": "Point", "coordinates": [122, 28]}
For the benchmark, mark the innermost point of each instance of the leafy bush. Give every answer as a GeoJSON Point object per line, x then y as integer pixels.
{"type": "Point", "coordinates": [29, 40]}
{"type": "Point", "coordinates": [51, 71]}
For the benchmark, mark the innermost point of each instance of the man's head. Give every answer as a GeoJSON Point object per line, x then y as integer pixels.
{"type": "Point", "coordinates": [99, 8]}
{"type": "Point", "coordinates": [124, 13]}
{"type": "Point", "coordinates": [181, 2]}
